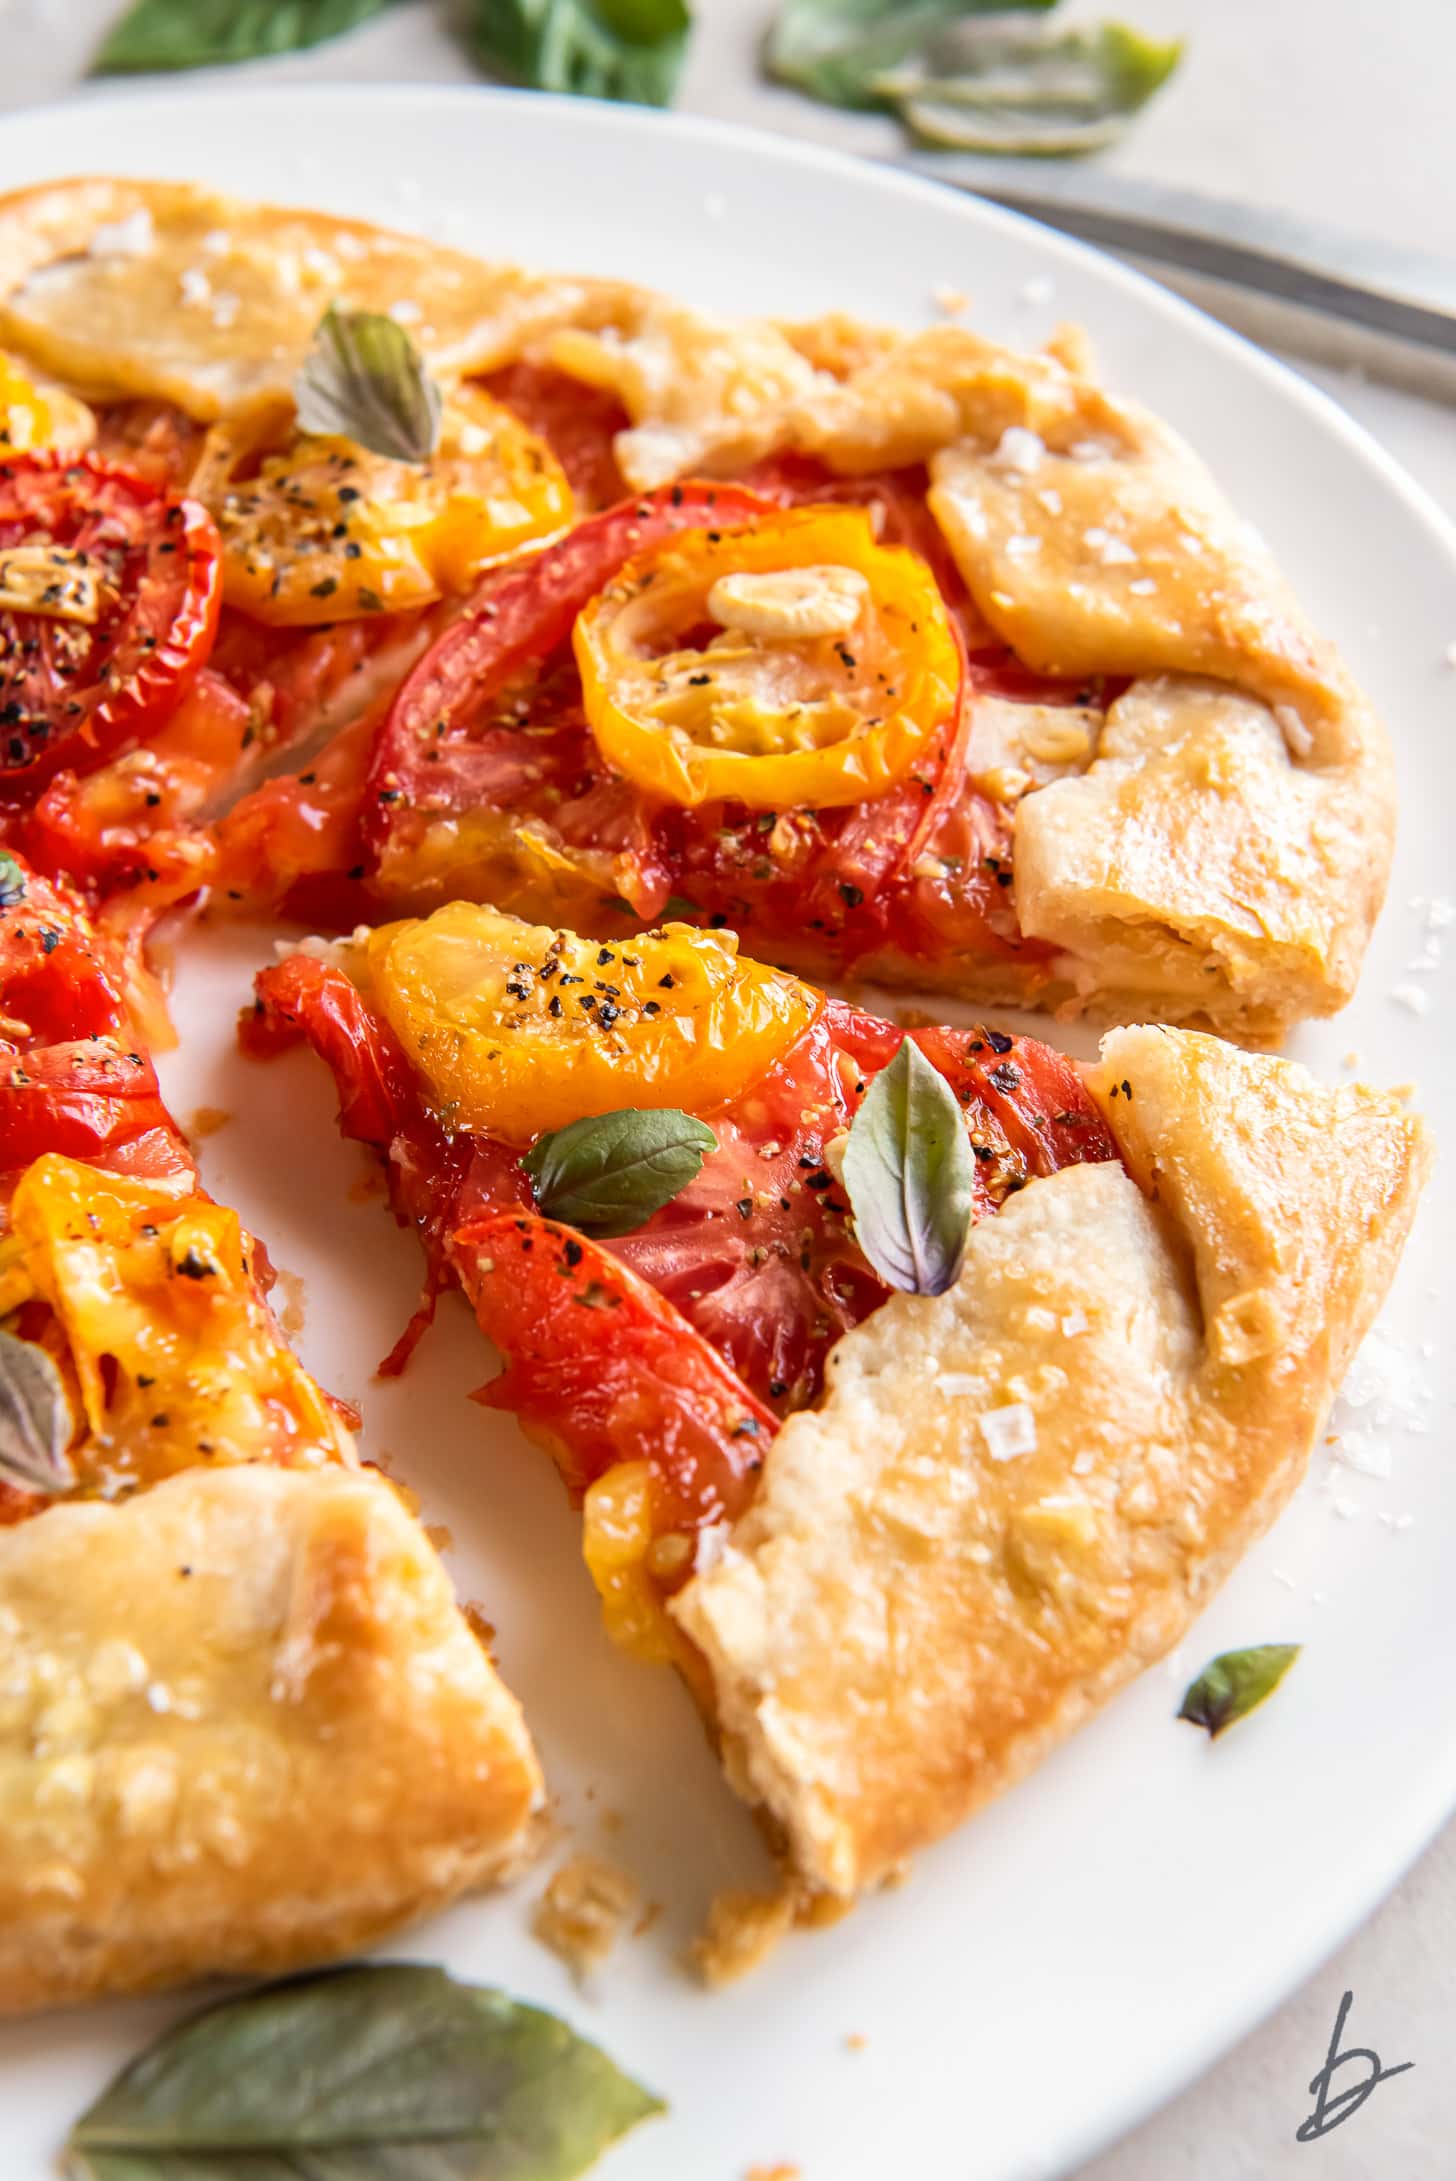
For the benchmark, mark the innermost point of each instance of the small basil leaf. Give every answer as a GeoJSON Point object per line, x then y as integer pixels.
{"type": "Point", "coordinates": [1233, 1683]}
{"type": "Point", "coordinates": [610, 1173]}
{"type": "Point", "coordinates": [365, 380]}
{"type": "Point", "coordinates": [210, 33]}
{"type": "Point", "coordinates": [372, 2073]}
{"type": "Point", "coordinates": [1004, 85]}
{"type": "Point", "coordinates": [12, 882]}
{"type": "Point", "coordinates": [629, 50]}
{"type": "Point", "coordinates": [35, 1419]}
{"type": "Point", "coordinates": [909, 1174]}
{"type": "Point", "coordinates": [836, 49]}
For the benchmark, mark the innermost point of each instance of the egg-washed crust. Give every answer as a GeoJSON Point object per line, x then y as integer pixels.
{"type": "Point", "coordinates": [244, 1727]}
{"type": "Point", "coordinates": [1223, 855]}
{"type": "Point", "coordinates": [902, 1626]}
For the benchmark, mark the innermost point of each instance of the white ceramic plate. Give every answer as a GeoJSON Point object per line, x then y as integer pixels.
{"type": "Point", "coordinates": [1079, 1952]}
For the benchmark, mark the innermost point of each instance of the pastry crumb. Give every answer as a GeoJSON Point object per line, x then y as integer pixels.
{"type": "Point", "coordinates": [855, 2040]}
{"type": "Point", "coordinates": [206, 1121]}
{"type": "Point", "coordinates": [953, 302]}
{"type": "Point", "coordinates": [780, 2172]}
{"type": "Point", "coordinates": [743, 1929]}
{"type": "Point", "coordinates": [587, 1905]}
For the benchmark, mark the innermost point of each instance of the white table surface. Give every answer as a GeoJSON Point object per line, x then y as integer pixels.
{"type": "Point", "coordinates": [1323, 107]}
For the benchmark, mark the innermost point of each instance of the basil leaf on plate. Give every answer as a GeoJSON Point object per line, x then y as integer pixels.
{"type": "Point", "coordinates": [35, 1419]}
{"type": "Point", "coordinates": [609, 1173]}
{"type": "Point", "coordinates": [365, 380]}
{"type": "Point", "coordinates": [620, 49]}
{"type": "Point", "coordinates": [1232, 1684]}
{"type": "Point", "coordinates": [1006, 85]}
{"type": "Point", "coordinates": [385, 2072]}
{"type": "Point", "coordinates": [12, 882]}
{"type": "Point", "coordinates": [909, 1175]}
{"type": "Point", "coordinates": [836, 49]}
{"type": "Point", "coordinates": [210, 33]}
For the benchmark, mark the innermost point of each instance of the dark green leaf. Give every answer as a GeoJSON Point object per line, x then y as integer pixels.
{"type": "Point", "coordinates": [1234, 1683]}
{"type": "Point", "coordinates": [365, 380]}
{"type": "Point", "coordinates": [611, 1172]}
{"type": "Point", "coordinates": [380, 2073]}
{"type": "Point", "coordinates": [621, 49]}
{"type": "Point", "coordinates": [12, 882]}
{"type": "Point", "coordinates": [1005, 85]}
{"type": "Point", "coordinates": [210, 33]}
{"type": "Point", "coordinates": [835, 49]}
{"type": "Point", "coordinates": [35, 1419]}
{"type": "Point", "coordinates": [908, 1172]}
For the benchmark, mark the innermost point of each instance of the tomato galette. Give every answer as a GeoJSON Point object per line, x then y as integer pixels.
{"type": "Point", "coordinates": [244, 1724]}
{"type": "Point", "coordinates": [882, 1361]}
{"type": "Point", "coordinates": [898, 654]}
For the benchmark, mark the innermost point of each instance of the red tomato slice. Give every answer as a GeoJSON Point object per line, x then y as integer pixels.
{"type": "Point", "coordinates": [579, 423]}
{"type": "Point", "coordinates": [603, 1370]}
{"type": "Point", "coordinates": [449, 745]}
{"type": "Point", "coordinates": [58, 980]}
{"type": "Point", "coordinates": [70, 691]}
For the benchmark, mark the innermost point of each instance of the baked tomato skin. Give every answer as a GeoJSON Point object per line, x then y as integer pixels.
{"type": "Point", "coordinates": [579, 423]}
{"type": "Point", "coordinates": [600, 1367]}
{"type": "Point", "coordinates": [142, 570]}
{"type": "Point", "coordinates": [72, 1076]}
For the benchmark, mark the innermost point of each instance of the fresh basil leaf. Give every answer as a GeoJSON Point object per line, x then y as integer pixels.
{"type": "Point", "coordinates": [1233, 1683]}
{"type": "Point", "coordinates": [35, 1419]}
{"type": "Point", "coordinates": [385, 2072]}
{"type": "Point", "coordinates": [630, 50]}
{"type": "Point", "coordinates": [909, 1175]}
{"type": "Point", "coordinates": [12, 882]}
{"type": "Point", "coordinates": [610, 1173]}
{"type": "Point", "coordinates": [211, 33]}
{"type": "Point", "coordinates": [836, 49]}
{"type": "Point", "coordinates": [365, 380]}
{"type": "Point", "coordinates": [1005, 85]}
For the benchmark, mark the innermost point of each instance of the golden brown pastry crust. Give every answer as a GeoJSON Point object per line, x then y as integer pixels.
{"type": "Point", "coordinates": [212, 302]}
{"type": "Point", "coordinates": [243, 1726]}
{"type": "Point", "coordinates": [903, 1624]}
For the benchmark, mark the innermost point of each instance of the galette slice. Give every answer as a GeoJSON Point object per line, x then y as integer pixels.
{"type": "Point", "coordinates": [898, 1542]}
{"type": "Point", "coordinates": [244, 1724]}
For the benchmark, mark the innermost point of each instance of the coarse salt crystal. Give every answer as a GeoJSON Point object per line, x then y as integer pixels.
{"type": "Point", "coordinates": [1112, 552]}
{"type": "Point", "coordinates": [1411, 997]}
{"type": "Point", "coordinates": [1347, 1509]}
{"type": "Point", "coordinates": [131, 237]}
{"type": "Point", "coordinates": [712, 1548]}
{"type": "Point", "coordinates": [1023, 545]}
{"type": "Point", "coordinates": [958, 1382]}
{"type": "Point", "coordinates": [217, 242]}
{"type": "Point", "coordinates": [1075, 1322]}
{"type": "Point", "coordinates": [406, 312]}
{"type": "Point", "coordinates": [225, 310]}
{"type": "Point", "coordinates": [194, 286]}
{"type": "Point", "coordinates": [1280, 1576]}
{"type": "Point", "coordinates": [1082, 1466]}
{"type": "Point", "coordinates": [1018, 449]}
{"type": "Point", "coordinates": [1040, 289]}
{"type": "Point", "coordinates": [1143, 588]}
{"type": "Point", "coordinates": [1009, 1430]}
{"type": "Point", "coordinates": [1050, 499]}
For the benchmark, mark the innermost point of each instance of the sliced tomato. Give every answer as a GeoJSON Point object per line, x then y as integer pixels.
{"type": "Point", "coordinates": [73, 690]}
{"type": "Point", "coordinates": [579, 423]}
{"type": "Point", "coordinates": [604, 1370]}
{"type": "Point", "coordinates": [153, 438]}
{"type": "Point", "coordinates": [91, 1099]}
{"type": "Point", "coordinates": [58, 980]}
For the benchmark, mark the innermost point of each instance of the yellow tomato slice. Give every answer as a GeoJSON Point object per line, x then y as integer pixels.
{"type": "Point", "coordinates": [33, 415]}
{"type": "Point", "coordinates": [174, 1352]}
{"type": "Point", "coordinates": [323, 530]}
{"type": "Point", "coordinates": [832, 665]}
{"type": "Point", "coordinates": [518, 1029]}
